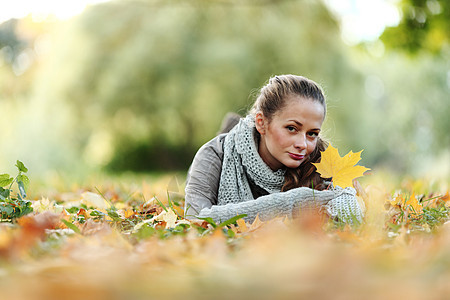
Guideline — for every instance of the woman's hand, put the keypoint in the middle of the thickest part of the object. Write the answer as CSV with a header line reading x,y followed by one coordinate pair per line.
x,y
307,198
345,207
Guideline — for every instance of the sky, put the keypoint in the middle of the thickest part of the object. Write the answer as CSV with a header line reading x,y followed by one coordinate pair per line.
x,y
62,9
364,20
361,20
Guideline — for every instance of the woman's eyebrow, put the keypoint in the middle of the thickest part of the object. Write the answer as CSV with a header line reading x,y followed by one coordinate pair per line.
x,y
300,124
297,122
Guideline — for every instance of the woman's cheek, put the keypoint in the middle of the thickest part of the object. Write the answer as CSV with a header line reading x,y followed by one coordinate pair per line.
x,y
311,146
283,139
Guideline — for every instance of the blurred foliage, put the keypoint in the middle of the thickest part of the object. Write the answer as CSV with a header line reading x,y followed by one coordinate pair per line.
x,y
141,85
10,43
405,113
425,25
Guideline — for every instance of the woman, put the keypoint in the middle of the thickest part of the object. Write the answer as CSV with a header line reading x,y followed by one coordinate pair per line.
x,y
263,165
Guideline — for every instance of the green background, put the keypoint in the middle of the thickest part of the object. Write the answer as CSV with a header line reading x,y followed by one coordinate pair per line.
x,y
140,85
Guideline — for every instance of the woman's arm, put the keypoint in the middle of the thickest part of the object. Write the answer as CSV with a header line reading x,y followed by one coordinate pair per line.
x,y
202,187
338,203
273,205
203,178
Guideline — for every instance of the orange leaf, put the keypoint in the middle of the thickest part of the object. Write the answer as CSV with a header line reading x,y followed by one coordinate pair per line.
x,y
242,226
443,199
126,213
342,170
414,204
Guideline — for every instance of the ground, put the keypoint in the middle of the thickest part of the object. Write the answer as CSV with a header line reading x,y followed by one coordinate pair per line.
x,y
125,237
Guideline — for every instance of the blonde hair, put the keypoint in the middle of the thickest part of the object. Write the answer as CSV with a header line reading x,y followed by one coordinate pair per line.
x,y
272,97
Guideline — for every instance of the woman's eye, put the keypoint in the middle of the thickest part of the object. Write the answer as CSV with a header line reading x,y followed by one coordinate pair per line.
x,y
291,128
313,134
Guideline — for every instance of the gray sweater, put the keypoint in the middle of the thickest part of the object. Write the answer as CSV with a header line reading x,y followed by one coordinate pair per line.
x,y
202,187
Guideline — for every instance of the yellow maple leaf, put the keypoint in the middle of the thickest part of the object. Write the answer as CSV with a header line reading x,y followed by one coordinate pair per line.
x,y
342,170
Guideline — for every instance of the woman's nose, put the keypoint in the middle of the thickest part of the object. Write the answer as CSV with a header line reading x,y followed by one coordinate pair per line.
x,y
300,142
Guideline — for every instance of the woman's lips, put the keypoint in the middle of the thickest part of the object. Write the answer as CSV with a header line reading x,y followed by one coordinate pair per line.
x,y
296,156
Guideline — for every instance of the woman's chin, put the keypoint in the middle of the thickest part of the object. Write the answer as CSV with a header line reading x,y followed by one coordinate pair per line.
x,y
293,164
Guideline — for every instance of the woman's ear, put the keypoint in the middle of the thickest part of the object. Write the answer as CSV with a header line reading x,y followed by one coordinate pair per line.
x,y
260,123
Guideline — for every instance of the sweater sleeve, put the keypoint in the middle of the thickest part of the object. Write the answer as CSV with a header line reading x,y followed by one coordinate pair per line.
x,y
346,207
202,183
272,205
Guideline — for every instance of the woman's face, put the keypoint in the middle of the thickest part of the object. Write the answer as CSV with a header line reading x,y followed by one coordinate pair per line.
x,y
291,135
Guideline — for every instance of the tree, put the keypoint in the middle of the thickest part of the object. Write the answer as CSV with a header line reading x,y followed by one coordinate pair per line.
x,y
424,26
151,82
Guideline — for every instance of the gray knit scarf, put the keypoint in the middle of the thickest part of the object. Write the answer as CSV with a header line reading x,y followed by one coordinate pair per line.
x,y
242,162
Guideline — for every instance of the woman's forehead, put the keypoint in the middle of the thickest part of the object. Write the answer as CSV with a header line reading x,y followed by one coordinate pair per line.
x,y
296,104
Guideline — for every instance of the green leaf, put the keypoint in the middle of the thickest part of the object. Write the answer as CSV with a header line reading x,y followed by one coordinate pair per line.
x,y
73,210
231,220
71,226
7,209
27,208
230,233
22,207
24,178
97,213
113,215
4,193
5,180
145,231
225,223
21,166
22,192
210,221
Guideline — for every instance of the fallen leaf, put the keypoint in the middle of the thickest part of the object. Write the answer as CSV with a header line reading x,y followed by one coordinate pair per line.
x,y
397,201
105,213
342,170
443,199
257,223
242,226
126,213
32,229
83,212
93,199
169,217
45,204
414,204
91,227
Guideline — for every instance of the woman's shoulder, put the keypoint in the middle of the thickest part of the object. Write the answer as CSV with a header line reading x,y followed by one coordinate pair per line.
x,y
214,147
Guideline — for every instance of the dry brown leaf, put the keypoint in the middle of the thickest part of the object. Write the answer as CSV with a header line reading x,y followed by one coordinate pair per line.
x,y
257,223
